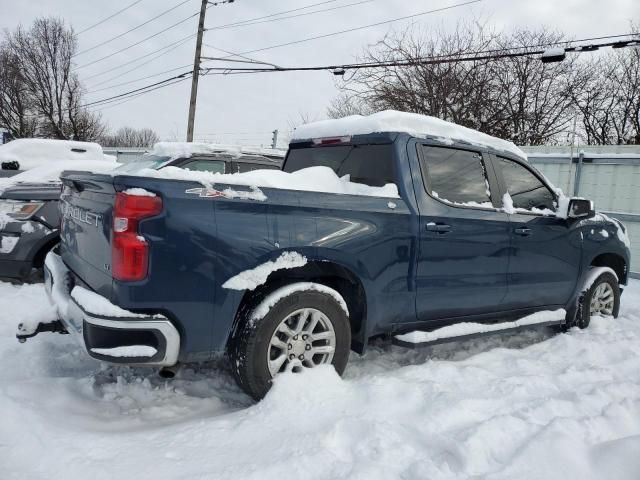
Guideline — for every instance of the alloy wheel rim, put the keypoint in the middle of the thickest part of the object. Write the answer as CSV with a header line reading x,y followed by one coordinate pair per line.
x,y
602,300
304,339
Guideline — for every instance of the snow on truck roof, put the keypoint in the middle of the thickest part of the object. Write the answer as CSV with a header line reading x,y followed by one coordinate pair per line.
x,y
33,152
412,123
186,150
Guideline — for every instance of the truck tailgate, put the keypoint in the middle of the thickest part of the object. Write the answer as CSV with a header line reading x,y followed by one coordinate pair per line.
x,y
86,206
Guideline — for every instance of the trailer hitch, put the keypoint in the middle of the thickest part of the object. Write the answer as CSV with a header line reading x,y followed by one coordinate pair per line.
x,y
24,332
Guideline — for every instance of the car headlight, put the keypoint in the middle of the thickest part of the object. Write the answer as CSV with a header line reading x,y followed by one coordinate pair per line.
x,y
20,210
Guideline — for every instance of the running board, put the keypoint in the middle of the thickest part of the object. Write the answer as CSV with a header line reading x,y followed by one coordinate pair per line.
x,y
467,331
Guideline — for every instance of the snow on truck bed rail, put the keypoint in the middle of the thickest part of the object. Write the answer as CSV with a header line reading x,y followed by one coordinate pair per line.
x,y
411,123
312,179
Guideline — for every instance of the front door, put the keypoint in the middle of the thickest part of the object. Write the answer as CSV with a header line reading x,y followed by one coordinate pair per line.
x,y
464,237
545,250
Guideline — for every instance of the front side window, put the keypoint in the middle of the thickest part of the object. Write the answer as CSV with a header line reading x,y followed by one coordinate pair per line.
x,y
213,166
368,164
525,188
456,176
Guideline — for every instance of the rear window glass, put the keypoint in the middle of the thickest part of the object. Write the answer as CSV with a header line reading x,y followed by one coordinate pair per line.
x,y
241,167
367,164
147,161
213,166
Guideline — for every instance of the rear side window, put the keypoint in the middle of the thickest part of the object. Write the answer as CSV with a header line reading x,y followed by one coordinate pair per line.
x,y
213,166
456,176
525,188
368,164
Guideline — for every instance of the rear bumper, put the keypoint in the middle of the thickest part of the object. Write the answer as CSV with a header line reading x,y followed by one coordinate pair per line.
x,y
128,338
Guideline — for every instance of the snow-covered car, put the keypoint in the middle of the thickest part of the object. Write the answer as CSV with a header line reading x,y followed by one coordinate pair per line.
x,y
27,153
395,225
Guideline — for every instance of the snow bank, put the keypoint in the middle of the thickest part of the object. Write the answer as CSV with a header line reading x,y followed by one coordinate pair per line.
x,y
33,152
50,173
411,123
128,351
312,179
251,279
187,149
526,406
468,328
274,297
95,304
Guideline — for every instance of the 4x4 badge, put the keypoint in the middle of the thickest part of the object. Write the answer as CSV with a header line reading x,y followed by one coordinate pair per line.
x,y
206,192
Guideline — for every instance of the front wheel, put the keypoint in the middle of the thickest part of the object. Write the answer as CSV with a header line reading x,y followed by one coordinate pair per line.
x,y
300,330
601,298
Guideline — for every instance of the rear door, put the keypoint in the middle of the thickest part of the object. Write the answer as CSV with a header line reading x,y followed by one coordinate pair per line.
x,y
545,252
464,238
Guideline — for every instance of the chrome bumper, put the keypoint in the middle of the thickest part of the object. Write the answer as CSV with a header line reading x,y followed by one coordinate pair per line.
x,y
104,332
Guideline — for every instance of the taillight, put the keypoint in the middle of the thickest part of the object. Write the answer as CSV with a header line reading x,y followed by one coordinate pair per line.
x,y
129,250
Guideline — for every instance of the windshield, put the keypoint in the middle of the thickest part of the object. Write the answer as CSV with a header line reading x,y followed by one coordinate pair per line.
x,y
153,162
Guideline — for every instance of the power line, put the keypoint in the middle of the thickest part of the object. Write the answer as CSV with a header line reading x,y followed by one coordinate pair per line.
x,y
109,17
172,44
146,89
326,35
182,67
249,23
508,53
130,30
272,15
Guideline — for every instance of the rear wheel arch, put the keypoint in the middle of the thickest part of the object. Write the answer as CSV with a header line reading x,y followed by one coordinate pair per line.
x,y
331,274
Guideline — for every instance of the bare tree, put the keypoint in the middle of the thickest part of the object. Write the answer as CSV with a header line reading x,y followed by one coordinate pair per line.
x,y
455,91
16,107
518,98
609,101
54,93
130,137
532,100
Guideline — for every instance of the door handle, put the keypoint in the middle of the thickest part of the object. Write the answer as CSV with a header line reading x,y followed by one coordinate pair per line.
x,y
524,231
440,228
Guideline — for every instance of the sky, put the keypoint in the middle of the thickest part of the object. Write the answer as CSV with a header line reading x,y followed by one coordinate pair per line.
x,y
245,109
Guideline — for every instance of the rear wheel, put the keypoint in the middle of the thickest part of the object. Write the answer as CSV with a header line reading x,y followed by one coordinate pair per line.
x,y
602,298
301,330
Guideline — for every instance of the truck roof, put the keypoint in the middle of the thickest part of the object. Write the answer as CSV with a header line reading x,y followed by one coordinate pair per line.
x,y
187,149
413,124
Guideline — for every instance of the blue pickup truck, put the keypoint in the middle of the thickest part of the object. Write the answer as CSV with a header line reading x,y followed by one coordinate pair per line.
x,y
161,271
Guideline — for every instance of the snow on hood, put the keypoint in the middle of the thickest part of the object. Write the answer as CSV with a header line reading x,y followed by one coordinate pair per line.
x,y
187,149
312,179
411,123
50,173
33,152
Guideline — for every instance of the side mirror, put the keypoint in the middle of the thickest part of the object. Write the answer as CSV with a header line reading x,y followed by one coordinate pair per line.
x,y
580,208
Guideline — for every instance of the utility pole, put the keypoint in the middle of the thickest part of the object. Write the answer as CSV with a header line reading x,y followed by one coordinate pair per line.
x,y
196,73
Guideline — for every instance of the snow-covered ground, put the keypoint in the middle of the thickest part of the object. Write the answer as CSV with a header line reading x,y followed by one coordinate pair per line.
x,y
525,406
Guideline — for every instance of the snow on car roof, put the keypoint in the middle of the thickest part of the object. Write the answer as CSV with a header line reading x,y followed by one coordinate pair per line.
x,y
412,123
50,173
33,152
187,149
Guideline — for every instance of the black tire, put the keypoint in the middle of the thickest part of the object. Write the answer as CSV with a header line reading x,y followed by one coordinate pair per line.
x,y
249,346
583,314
